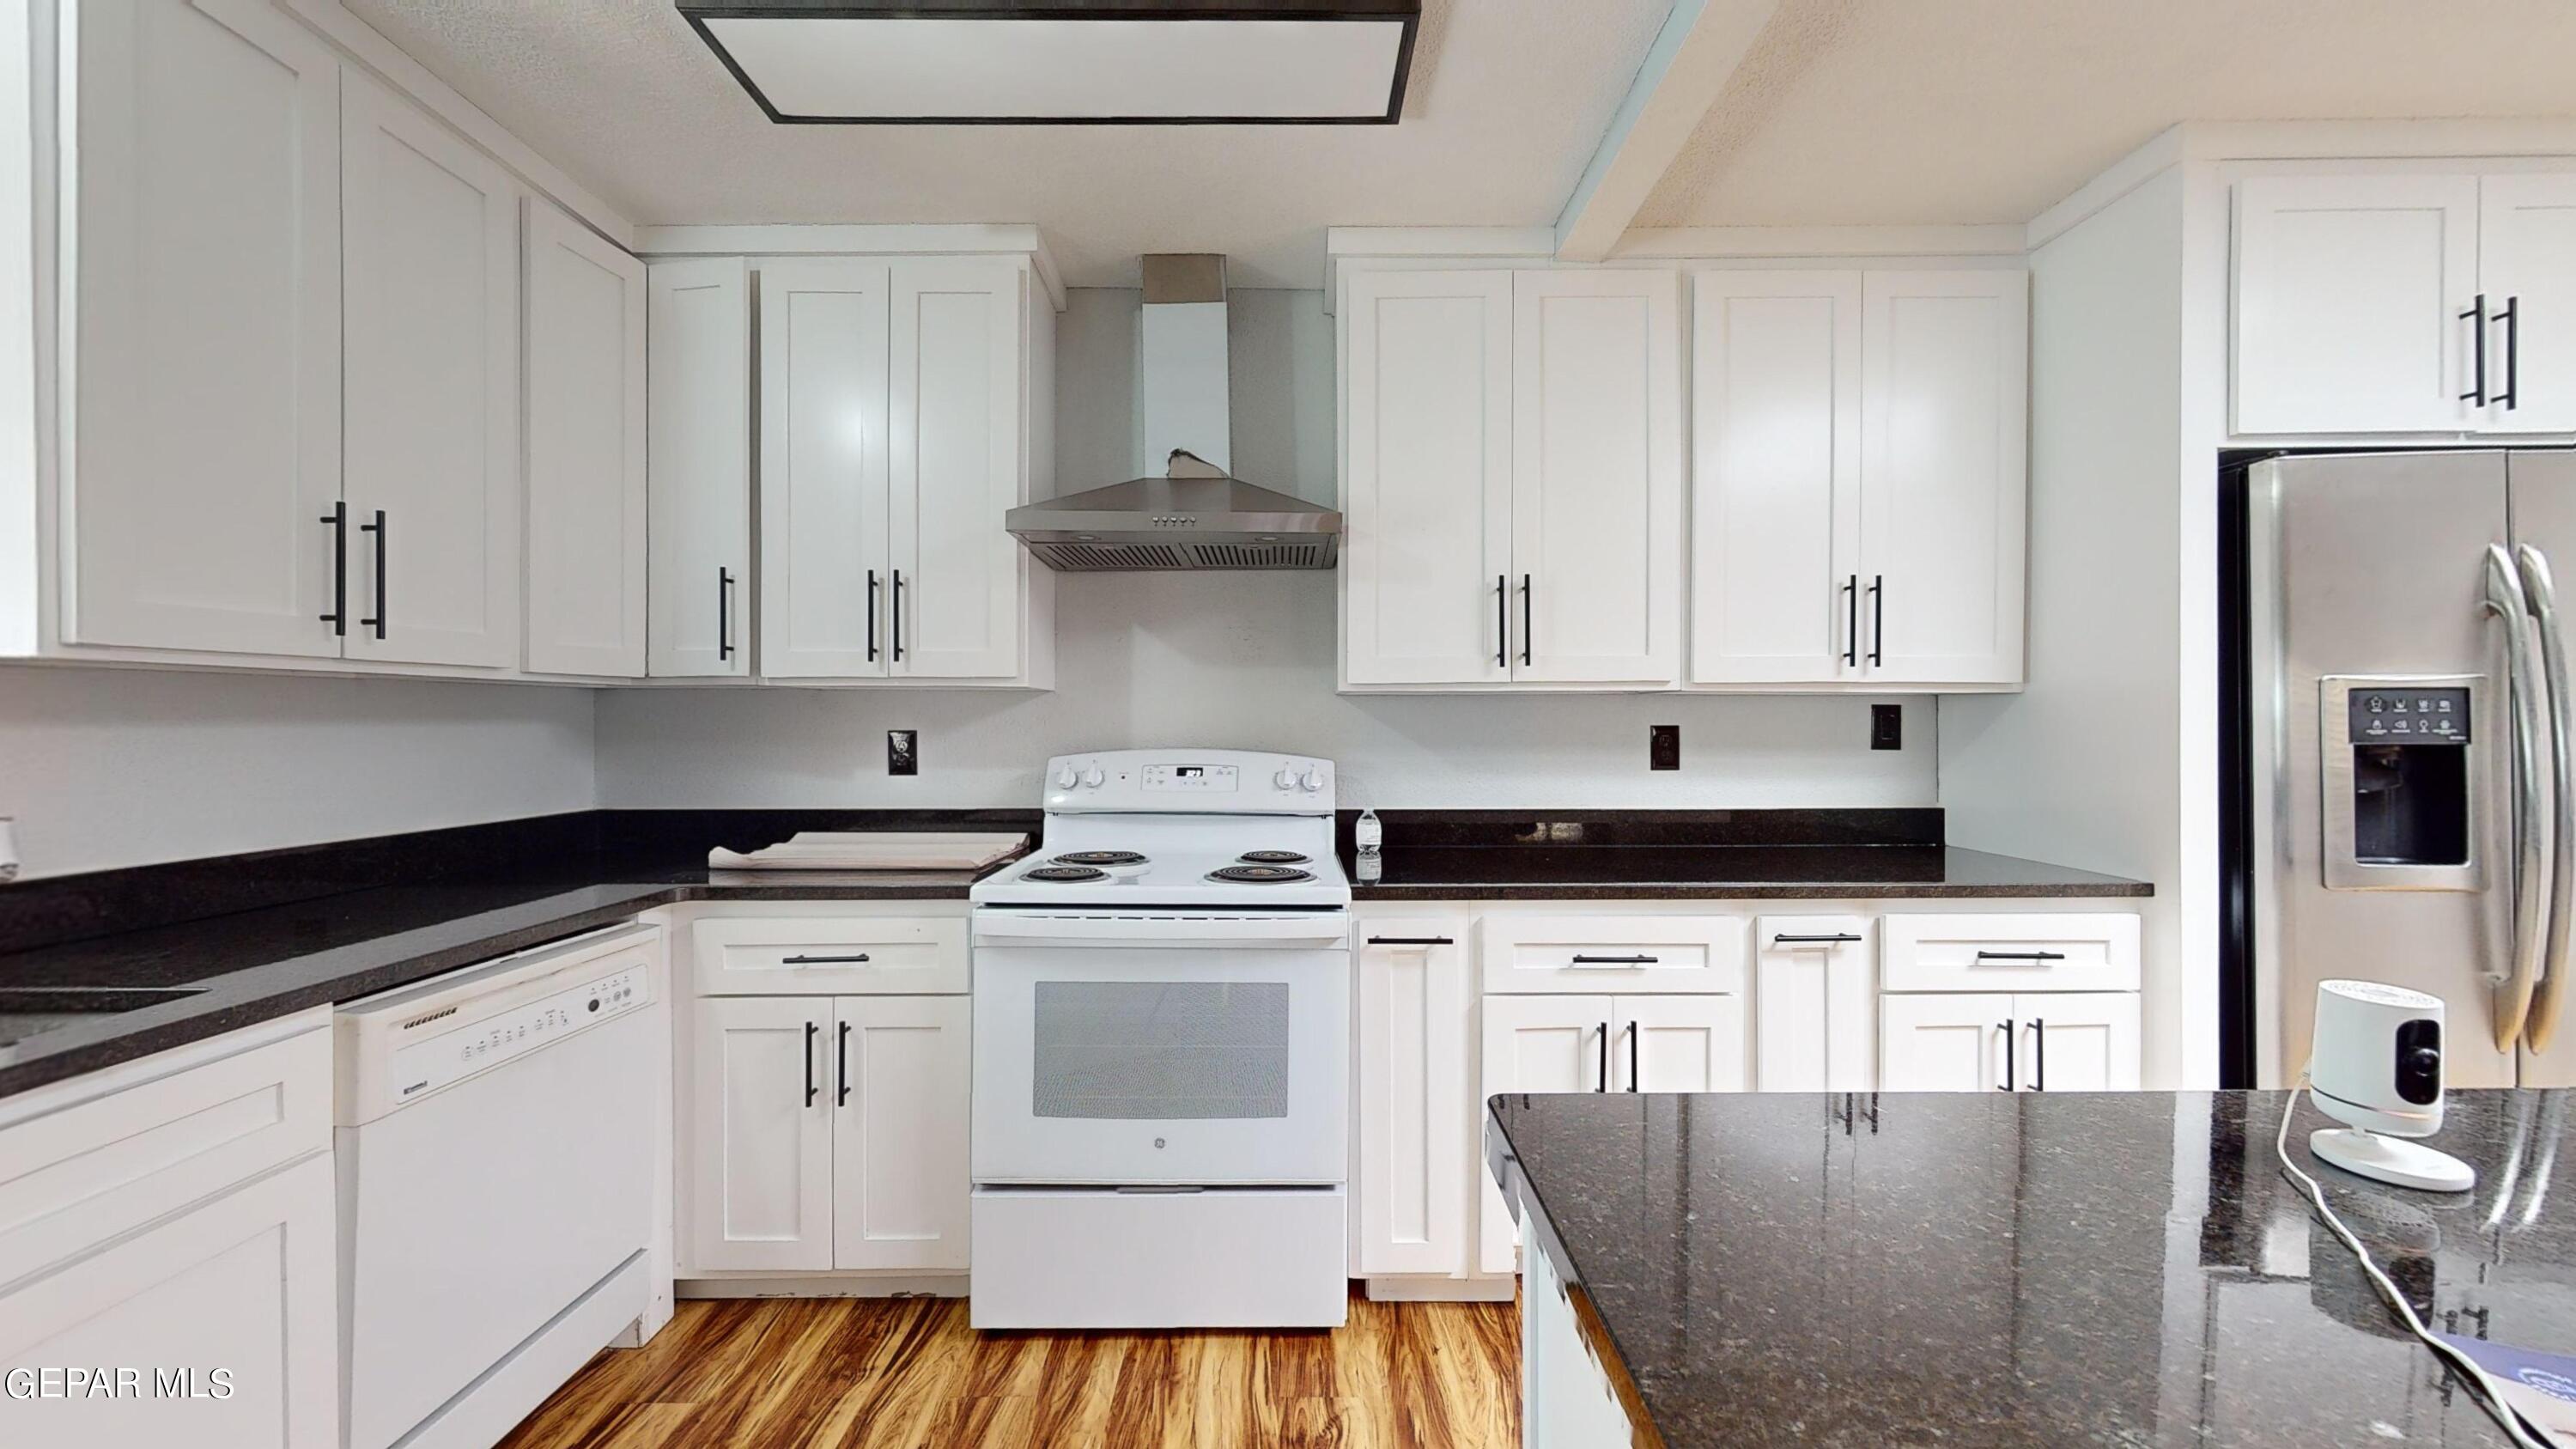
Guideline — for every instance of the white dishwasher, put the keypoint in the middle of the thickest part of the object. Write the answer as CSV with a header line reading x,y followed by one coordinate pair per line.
x,y
495,1146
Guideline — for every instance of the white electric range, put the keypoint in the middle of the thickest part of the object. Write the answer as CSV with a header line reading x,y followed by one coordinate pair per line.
x,y
1162,1051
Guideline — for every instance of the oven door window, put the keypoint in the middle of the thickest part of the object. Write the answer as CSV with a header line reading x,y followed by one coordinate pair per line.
x,y
1161,1050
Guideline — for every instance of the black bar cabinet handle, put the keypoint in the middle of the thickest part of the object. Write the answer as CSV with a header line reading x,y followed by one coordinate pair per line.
x,y
724,612
1877,620
1616,960
2512,318
1526,643
894,636
2021,955
1502,621
843,1068
2476,317
811,1031
338,521
2039,1054
378,529
1851,621
1605,1058
1836,939
861,959
872,616
2007,1028
1411,941
1632,1055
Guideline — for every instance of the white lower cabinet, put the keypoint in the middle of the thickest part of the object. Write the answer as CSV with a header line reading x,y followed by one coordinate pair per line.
x,y
1420,1122
2068,1041
828,1133
1815,1002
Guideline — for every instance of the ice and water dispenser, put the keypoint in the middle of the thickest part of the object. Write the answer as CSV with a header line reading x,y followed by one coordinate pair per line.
x,y
2400,783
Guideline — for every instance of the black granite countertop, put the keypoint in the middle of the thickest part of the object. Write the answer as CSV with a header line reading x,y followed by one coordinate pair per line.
x,y
1721,872
2031,1271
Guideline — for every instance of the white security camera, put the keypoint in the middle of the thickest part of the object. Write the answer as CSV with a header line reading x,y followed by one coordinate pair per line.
x,y
2378,1066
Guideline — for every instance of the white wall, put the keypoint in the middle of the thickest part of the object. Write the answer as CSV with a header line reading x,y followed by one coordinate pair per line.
x,y
112,767
2080,767
1240,660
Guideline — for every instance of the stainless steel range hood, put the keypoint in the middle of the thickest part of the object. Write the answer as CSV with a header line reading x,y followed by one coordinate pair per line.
x,y
1195,514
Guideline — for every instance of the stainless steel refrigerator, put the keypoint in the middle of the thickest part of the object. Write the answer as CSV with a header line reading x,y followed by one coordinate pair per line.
x,y
2396,749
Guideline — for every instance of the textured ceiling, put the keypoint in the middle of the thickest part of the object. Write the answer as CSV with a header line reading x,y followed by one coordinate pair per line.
x,y
1507,101
1899,111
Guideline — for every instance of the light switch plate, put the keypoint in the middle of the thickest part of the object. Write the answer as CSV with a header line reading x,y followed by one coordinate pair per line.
x,y
903,752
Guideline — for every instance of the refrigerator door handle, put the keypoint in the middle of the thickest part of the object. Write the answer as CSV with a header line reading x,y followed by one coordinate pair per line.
x,y
2540,594
2512,995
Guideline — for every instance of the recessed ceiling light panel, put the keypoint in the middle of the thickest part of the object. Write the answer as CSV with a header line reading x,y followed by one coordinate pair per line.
x,y
1066,62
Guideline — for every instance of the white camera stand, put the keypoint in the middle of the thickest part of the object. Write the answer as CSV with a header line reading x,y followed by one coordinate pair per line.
x,y
2392,1159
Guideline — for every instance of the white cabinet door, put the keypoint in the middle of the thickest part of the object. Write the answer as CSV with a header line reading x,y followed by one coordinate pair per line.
x,y
2527,269
1596,477
1533,1044
1943,1043
1426,477
1677,1044
823,583
584,314
954,436
1944,438
901,1072
1419,1130
2349,295
1775,480
227,1315
700,467
1815,1005
204,457
2077,1041
429,237
760,1175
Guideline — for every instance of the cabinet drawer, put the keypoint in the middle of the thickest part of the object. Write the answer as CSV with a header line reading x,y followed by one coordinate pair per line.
x,y
79,1176
829,955
1614,953
2009,953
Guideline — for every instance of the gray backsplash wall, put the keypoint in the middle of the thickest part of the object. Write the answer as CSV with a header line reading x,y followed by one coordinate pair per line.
x,y
1236,660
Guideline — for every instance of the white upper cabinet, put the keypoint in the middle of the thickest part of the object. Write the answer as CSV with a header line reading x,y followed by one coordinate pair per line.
x,y
430,277
1775,478
1427,478
1597,476
1944,437
2527,268
956,436
699,465
2349,291
204,444
584,315
824,588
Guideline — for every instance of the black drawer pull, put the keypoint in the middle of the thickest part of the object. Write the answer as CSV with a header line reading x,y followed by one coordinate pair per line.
x,y
1836,939
811,1031
2021,955
1411,941
860,959
1616,960
844,1069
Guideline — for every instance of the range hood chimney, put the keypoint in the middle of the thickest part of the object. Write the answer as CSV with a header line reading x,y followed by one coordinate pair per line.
x,y
1190,512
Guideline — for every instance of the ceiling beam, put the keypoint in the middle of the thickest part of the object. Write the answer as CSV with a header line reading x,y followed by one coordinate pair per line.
x,y
1694,55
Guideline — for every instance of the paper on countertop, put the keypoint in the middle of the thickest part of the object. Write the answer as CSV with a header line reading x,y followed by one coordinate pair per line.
x,y
873,850
2541,1387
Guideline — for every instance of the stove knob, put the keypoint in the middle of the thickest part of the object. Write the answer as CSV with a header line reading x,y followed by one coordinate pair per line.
x,y
1311,781
1094,778
1286,779
1067,777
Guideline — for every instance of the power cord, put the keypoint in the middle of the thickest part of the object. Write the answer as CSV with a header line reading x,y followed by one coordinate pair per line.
x,y
2489,1393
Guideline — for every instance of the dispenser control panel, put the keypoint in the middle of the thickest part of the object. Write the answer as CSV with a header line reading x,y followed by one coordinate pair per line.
x,y
2400,715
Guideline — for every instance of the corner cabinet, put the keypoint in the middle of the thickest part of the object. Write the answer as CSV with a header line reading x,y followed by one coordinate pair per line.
x,y
583,302
699,467
1512,475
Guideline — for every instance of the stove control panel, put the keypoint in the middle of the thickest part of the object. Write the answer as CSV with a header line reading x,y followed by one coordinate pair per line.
x,y
1232,782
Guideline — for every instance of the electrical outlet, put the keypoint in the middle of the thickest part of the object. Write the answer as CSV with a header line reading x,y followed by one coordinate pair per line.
x,y
903,752
1887,727
1663,747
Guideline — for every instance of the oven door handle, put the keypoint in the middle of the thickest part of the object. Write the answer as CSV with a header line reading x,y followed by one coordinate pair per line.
x,y
1153,928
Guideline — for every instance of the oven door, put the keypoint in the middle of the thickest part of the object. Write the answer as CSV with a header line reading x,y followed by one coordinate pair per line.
x,y
1161,1048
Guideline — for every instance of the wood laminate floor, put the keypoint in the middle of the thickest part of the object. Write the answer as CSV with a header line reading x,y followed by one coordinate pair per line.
x,y
907,1373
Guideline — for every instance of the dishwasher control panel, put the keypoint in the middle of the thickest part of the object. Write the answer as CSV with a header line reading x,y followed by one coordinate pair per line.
x,y
441,1057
